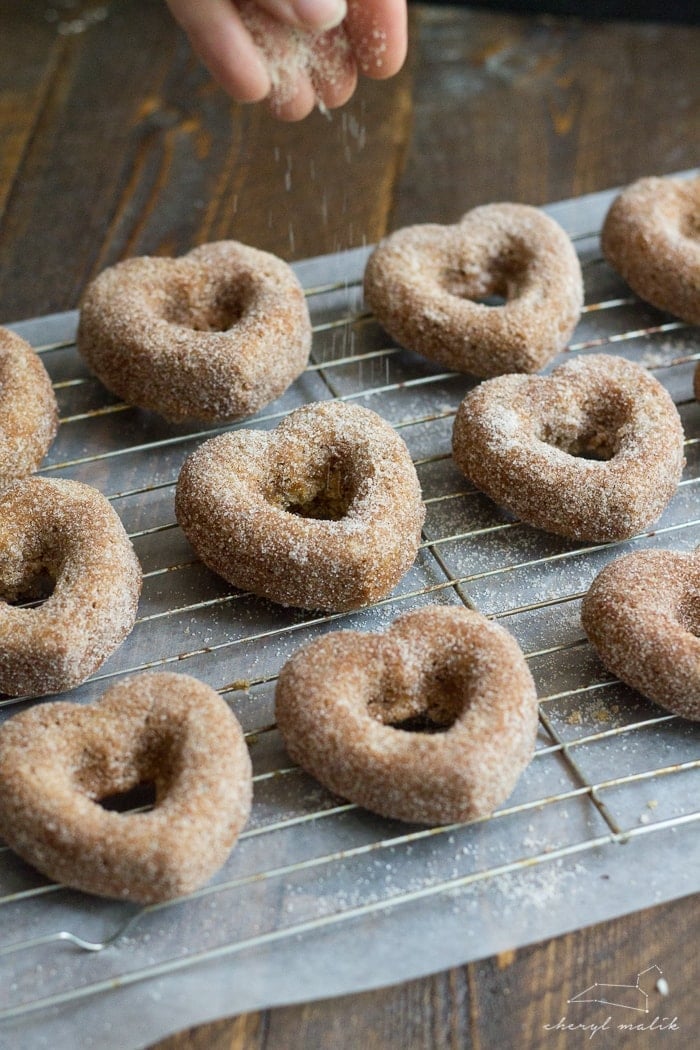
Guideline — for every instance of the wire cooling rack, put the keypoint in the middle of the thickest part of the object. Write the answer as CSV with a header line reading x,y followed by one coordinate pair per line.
x,y
320,897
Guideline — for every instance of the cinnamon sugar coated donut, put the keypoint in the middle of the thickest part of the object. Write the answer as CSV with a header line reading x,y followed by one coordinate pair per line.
x,y
424,284
324,512
651,236
593,451
431,722
27,409
65,535
213,335
642,615
59,761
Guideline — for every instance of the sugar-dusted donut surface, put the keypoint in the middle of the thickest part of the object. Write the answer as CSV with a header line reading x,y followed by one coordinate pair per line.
x,y
425,283
593,451
642,615
65,538
324,512
213,335
651,236
431,722
28,411
59,761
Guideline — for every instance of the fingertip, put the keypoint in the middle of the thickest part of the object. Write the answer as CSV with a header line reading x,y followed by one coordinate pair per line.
x,y
335,95
249,85
320,15
381,68
378,30
315,16
334,70
297,106
380,59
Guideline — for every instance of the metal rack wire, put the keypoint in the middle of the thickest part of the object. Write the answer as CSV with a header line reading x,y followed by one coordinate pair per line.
x,y
610,769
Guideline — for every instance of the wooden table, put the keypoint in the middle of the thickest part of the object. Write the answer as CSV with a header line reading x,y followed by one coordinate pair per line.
x,y
115,142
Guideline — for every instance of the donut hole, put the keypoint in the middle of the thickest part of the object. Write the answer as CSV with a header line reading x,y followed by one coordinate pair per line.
x,y
326,496
140,796
216,311
421,723
34,587
437,702
595,445
688,612
487,290
123,775
594,434
492,282
690,225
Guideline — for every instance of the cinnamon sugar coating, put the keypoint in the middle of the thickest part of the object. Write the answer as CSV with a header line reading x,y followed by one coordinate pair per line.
x,y
651,236
324,512
424,284
27,409
593,451
59,760
350,707
212,336
65,537
642,615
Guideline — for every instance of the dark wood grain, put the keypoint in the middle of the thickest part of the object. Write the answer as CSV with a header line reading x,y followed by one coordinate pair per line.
x,y
31,55
115,142
132,150
540,109
502,1002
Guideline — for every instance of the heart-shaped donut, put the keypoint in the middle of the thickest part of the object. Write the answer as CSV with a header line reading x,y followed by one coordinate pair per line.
x,y
425,285
593,451
60,761
212,336
431,722
651,236
63,537
642,616
324,512
27,409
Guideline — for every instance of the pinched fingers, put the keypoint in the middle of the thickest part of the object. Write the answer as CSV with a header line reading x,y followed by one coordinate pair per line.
x,y
304,68
294,52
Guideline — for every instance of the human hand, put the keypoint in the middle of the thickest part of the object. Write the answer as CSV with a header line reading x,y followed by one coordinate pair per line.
x,y
295,53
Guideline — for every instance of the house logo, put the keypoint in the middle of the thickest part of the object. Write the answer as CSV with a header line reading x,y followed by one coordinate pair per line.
x,y
626,996
627,1007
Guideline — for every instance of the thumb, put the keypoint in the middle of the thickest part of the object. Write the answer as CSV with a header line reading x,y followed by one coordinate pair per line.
x,y
316,15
